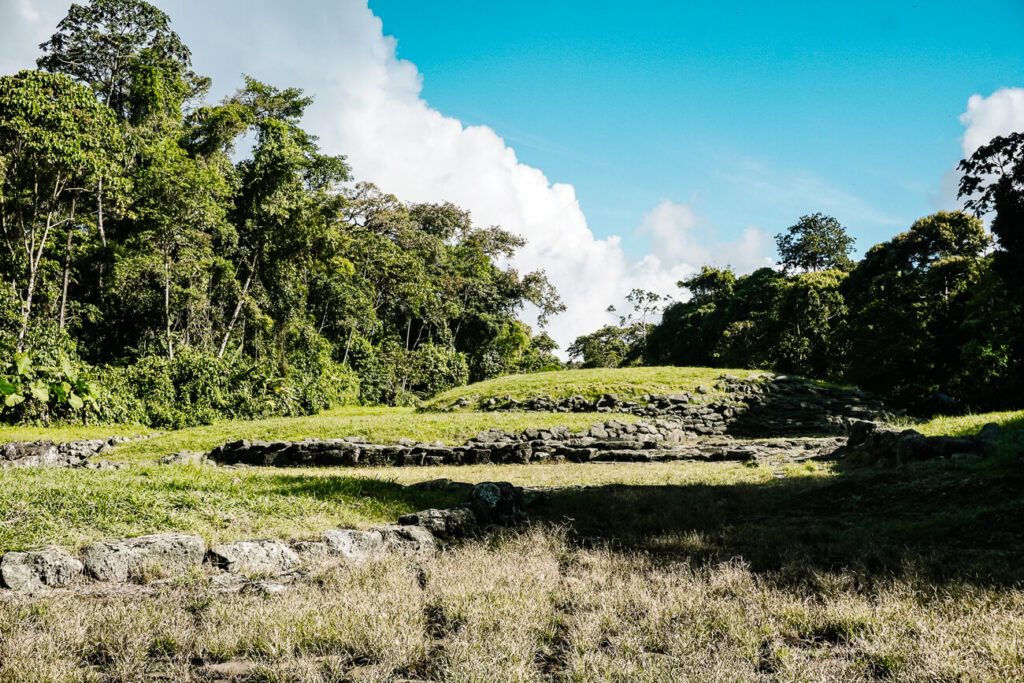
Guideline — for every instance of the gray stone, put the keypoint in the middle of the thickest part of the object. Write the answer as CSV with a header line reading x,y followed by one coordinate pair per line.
x,y
254,557
354,544
407,539
452,523
28,572
143,558
312,551
498,503
184,458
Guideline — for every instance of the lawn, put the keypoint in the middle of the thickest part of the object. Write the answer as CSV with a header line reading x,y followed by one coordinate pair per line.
x,y
661,571
627,383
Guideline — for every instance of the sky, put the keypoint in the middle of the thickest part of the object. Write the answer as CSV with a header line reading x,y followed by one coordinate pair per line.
x,y
630,143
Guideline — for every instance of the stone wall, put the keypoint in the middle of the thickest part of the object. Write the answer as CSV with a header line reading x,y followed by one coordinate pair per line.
x,y
762,406
611,441
50,454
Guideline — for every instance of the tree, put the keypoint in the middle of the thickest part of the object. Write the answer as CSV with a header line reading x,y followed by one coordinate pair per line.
x,y
910,300
609,347
102,44
57,143
816,242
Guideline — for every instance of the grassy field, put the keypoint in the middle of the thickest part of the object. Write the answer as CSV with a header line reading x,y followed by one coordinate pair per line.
x,y
965,425
665,571
627,383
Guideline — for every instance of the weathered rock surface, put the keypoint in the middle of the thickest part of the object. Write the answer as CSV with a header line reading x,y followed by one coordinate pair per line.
x,y
254,557
69,454
498,503
354,544
184,458
407,539
612,441
37,570
449,523
146,557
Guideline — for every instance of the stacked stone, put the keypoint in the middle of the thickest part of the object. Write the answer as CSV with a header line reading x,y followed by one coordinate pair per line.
x,y
161,557
50,454
611,441
769,405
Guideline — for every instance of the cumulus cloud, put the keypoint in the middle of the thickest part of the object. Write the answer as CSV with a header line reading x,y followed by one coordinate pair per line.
x,y
369,106
1000,113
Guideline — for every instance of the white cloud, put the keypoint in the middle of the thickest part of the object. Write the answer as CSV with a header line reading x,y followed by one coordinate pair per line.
x,y
1000,113
368,106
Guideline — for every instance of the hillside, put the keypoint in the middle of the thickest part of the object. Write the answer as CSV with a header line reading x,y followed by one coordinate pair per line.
x,y
592,383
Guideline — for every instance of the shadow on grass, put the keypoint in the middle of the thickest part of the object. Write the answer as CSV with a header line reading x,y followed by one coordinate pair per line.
x,y
949,523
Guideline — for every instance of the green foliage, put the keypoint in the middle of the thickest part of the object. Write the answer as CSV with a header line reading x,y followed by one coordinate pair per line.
x,y
135,229
816,242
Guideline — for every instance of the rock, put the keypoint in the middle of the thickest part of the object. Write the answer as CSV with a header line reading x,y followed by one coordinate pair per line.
x,y
144,558
407,539
453,523
354,544
990,438
254,557
498,503
37,570
184,458
267,588
312,551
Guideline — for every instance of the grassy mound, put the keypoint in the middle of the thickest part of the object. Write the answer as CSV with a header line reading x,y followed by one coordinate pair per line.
x,y
627,383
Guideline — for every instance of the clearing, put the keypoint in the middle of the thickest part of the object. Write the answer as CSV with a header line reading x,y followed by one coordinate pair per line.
x,y
628,571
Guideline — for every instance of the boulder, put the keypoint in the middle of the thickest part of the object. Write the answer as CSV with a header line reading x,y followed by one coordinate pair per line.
x,y
498,503
139,559
452,523
29,572
407,539
354,544
254,557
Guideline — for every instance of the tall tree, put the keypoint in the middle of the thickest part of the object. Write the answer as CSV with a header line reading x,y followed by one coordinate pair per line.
x,y
57,143
816,242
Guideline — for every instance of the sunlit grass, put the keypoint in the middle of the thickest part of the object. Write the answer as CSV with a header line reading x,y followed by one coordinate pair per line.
x,y
627,383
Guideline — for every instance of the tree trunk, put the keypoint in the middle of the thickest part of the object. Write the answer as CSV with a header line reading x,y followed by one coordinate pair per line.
x,y
238,309
67,267
348,344
167,304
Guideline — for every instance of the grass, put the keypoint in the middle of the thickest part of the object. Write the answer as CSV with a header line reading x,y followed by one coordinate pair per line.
x,y
529,607
966,425
378,424
627,383
661,571
62,433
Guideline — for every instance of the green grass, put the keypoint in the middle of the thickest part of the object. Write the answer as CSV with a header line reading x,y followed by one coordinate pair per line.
x,y
627,383
62,433
966,425
377,424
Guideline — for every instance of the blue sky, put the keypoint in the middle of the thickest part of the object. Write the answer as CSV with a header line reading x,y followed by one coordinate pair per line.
x,y
629,143
851,108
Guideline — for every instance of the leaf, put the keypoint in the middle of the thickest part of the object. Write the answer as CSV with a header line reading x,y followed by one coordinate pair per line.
x,y
60,391
40,391
23,364
69,370
75,401
13,400
6,388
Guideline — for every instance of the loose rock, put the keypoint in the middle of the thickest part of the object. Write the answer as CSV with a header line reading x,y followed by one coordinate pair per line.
x,y
254,557
29,572
144,558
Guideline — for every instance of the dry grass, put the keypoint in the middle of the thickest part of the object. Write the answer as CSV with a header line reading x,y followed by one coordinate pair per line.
x,y
530,607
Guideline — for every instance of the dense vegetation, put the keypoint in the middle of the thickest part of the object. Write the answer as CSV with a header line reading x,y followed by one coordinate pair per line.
x,y
933,319
158,270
